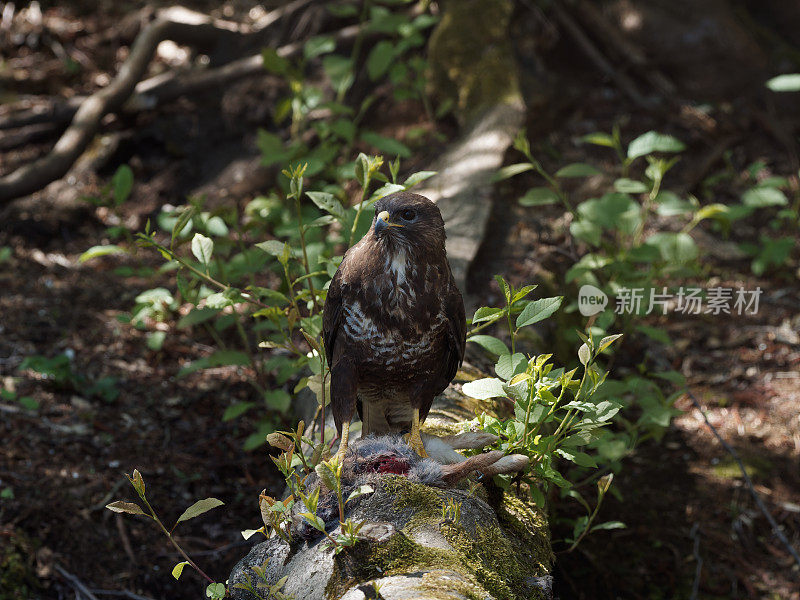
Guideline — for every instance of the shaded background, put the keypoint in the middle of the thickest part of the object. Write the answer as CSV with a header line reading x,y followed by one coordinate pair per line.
x,y
695,70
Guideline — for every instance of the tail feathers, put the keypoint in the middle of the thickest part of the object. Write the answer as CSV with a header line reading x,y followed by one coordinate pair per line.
x,y
382,418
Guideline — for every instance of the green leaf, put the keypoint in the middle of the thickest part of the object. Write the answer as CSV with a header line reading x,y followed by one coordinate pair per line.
x,y
198,508
248,533
182,223
612,449
483,389
138,482
202,248
216,226
155,340
328,203
538,310
344,128
579,458
96,251
197,316
259,438
28,403
274,63
417,177
673,377
130,508
789,82
586,231
277,400
362,490
339,70
490,343
522,292
219,358
669,204
272,148
630,186
773,253
607,341
509,365
577,170
385,144
674,247
122,184
711,211
237,410
655,333
218,300
609,525
511,170
584,354
485,313
653,141
177,570
538,196
759,197
361,168
504,287
215,591
613,211
599,139
385,190
319,45
273,247
380,59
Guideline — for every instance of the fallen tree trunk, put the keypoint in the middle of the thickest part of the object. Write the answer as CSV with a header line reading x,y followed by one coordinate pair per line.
x,y
411,546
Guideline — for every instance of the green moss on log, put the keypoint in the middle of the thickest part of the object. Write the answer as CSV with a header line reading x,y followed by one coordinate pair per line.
x,y
497,557
471,58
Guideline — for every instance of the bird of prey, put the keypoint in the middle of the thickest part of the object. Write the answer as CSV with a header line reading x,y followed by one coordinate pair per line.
x,y
393,322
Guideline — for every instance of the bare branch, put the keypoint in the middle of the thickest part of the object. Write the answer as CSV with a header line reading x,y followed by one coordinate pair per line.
x,y
128,92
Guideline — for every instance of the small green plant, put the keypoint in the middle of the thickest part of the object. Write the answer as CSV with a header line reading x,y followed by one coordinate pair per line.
x,y
58,370
558,414
26,402
451,511
111,198
296,467
261,588
214,590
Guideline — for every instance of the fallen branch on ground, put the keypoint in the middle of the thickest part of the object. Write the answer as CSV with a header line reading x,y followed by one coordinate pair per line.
x,y
129,91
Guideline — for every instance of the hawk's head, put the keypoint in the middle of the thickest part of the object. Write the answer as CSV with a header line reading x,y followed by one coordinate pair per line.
x,y
409,220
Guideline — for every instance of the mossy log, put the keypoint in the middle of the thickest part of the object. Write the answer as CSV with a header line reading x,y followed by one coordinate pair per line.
x,y
496,546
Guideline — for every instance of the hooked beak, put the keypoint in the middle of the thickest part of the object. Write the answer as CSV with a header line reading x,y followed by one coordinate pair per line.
x,y
382,222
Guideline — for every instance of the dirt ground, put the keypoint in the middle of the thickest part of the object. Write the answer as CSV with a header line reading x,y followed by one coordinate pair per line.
x,y
690,519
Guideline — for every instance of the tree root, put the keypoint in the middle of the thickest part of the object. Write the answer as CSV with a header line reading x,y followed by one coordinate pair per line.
x,y
128,92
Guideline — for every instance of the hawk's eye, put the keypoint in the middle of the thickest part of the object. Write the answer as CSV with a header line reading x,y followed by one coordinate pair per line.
x,y
408,214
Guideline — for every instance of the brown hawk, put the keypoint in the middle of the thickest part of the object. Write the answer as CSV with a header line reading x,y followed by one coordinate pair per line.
x,y
393,323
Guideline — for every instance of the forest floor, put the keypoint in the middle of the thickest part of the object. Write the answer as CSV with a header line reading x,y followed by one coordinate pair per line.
x,y
690,517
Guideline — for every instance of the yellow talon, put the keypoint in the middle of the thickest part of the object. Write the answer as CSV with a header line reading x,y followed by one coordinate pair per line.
x,y
414,439
343,443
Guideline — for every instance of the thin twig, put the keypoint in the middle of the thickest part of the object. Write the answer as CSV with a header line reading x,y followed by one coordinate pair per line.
x,y
695,533
775,527
126,542
121,593
593,53
76,583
